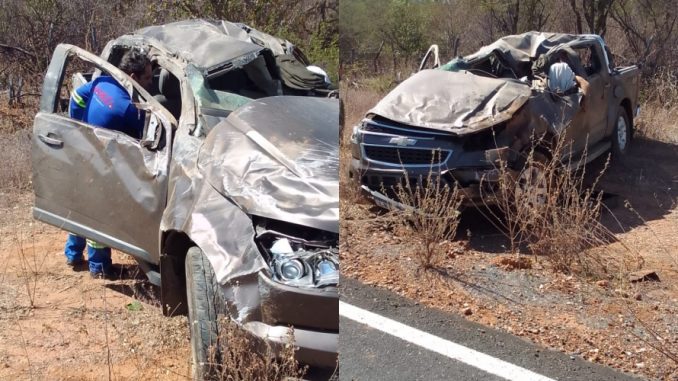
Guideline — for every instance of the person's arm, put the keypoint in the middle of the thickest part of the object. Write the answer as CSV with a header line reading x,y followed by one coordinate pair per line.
x,y
78,101
583,84
134,120
584,87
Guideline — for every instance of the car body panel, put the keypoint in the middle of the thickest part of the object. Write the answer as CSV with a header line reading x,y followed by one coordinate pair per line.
x,y
459,102
241,173
96,181
203,44
296,177
117,184
209,176
458,120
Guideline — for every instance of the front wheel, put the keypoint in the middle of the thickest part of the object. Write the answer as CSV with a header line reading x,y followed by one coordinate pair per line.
x,y
532,188
621,136
202,297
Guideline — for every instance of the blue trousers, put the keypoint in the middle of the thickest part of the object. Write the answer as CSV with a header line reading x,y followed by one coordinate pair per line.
x,y
98,256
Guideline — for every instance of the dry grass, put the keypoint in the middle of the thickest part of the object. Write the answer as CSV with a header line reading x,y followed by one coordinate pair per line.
x,y
31,263
15,139
555,212
15,156
17,117
659,109
243,357
430,216
355,103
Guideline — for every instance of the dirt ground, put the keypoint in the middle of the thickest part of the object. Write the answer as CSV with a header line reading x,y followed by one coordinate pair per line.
x,y
606,320
60,324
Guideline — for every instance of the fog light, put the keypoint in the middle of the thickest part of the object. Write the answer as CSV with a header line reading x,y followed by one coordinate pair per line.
x,y
292,269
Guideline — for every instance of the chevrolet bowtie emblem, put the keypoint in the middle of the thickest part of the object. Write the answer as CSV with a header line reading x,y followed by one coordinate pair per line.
x,y
403,141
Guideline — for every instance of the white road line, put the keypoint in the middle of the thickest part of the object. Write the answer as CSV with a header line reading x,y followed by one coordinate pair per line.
x,y
436,344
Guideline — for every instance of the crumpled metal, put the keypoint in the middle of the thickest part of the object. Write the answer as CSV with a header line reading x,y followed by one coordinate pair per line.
x,y
459,102
455,100
523,48
201,42
278,158
275,157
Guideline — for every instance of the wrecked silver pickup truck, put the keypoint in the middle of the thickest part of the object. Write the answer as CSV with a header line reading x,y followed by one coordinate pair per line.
x,y
229,201
459,119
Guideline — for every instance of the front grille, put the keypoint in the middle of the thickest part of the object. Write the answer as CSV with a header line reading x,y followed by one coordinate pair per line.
x,y
405,156
389,127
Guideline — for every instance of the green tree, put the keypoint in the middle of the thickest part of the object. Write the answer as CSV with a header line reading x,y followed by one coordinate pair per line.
x,y
404,30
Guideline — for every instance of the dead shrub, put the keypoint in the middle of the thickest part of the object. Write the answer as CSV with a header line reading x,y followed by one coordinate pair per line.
x,y
429,211
243,357
16,117
15,156
31,261
355,103
552,210
659,110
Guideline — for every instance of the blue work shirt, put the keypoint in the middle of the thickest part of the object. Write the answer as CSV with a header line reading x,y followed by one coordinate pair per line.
x,y
103,102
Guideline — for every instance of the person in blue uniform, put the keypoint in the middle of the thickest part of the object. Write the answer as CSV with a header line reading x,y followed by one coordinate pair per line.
x,y
105,103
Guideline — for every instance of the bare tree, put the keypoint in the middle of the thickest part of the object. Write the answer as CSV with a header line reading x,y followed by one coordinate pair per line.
x,y
649,27
517,16
505,15
594,12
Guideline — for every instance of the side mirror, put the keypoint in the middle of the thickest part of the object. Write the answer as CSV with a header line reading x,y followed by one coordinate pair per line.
x,y
431,53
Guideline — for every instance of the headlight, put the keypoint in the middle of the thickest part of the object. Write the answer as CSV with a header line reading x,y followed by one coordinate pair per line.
x,y
326,272
300,262
355,144
354,135
291,269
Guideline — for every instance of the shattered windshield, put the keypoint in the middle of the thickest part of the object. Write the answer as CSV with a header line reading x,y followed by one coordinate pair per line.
x,y
232,84
211,98
455,65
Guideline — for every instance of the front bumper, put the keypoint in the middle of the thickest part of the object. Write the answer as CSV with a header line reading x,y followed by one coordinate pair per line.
x,y
311,316
479,186
313,347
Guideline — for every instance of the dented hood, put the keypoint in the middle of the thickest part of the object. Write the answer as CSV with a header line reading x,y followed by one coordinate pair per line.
x,y
459,102
278,158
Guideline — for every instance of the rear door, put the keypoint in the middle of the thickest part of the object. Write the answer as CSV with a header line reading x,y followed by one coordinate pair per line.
x,y
96,182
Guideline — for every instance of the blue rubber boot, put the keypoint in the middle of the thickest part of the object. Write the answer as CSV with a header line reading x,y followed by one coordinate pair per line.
x,y
73,250
99,257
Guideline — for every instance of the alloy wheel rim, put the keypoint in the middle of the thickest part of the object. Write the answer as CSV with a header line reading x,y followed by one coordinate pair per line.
x,y
532,186
621,133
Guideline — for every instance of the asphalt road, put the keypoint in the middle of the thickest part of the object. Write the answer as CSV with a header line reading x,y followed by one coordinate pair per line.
x,y
367,353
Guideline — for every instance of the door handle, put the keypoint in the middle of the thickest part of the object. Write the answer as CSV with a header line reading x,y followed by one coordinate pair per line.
x,y
48,139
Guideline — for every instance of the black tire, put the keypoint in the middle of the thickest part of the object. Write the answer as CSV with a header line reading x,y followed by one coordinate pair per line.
x,y
622,133
202,299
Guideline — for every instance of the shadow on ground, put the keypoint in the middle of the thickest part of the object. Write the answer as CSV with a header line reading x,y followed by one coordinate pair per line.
x,y
642,187
133,283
